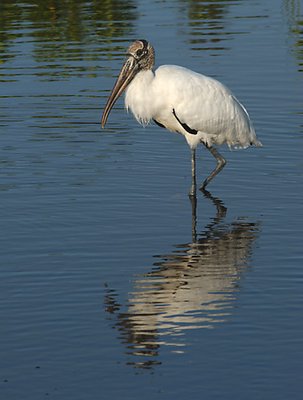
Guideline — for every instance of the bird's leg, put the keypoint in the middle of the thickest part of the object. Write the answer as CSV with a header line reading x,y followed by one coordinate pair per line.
x,y
193,201
193,173
220,165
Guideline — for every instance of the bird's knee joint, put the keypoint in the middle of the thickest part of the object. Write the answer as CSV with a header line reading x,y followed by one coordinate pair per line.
x,y
222,162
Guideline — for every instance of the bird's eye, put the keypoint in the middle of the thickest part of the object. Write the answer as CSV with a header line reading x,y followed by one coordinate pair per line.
x,y
139,52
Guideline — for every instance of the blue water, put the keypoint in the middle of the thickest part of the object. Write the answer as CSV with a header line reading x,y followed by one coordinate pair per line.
x,y
112,283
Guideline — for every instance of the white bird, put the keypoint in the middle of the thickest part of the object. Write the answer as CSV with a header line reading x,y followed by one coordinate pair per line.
x,y
199,107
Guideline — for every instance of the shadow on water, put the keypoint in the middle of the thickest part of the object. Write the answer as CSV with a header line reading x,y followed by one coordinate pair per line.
x,y
193,287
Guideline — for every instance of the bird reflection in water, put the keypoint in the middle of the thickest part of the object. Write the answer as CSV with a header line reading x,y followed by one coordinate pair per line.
x,y
194,287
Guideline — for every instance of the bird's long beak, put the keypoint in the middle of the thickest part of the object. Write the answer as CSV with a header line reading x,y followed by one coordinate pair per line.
x,y
127,73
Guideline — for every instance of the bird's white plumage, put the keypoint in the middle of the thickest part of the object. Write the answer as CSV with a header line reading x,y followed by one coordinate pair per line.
x,y
200,108
202,103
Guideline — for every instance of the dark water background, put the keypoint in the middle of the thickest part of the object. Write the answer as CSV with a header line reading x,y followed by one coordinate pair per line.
x,y
111,285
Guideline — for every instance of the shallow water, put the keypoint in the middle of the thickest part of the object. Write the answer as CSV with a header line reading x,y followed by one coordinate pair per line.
x,y
113,284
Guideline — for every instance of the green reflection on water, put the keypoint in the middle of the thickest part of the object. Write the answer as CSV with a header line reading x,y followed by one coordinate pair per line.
x,y
206,22
58,29
293,11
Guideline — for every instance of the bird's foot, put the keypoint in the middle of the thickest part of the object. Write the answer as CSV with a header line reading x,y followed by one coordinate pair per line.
x,y
204,184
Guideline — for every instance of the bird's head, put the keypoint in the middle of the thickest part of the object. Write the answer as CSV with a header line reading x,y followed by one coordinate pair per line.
x,y
141,56
143,53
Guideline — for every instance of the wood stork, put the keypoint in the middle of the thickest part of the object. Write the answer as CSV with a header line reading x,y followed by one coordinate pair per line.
x,y
180,100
